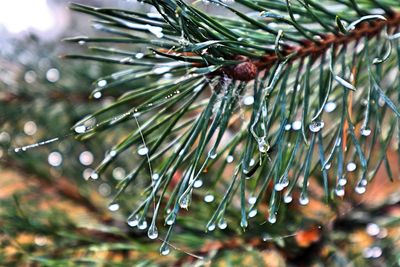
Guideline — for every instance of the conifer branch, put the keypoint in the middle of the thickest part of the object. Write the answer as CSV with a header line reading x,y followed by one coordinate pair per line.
x,y
255,107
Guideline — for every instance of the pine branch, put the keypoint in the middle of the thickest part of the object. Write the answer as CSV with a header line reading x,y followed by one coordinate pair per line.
x,y
250,107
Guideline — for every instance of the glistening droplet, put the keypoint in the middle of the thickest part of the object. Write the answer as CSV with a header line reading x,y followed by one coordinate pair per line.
x,y
360,189
365,131
97,95
164,249
339,192
184,201
272,218
152,233
101,83
209,198
296,125
55,159
303,200
211,227
198,184
316,126
229,159
252,213
351,166
134,221
330,106
263,146
170,220
143,151
287,199
252,200
113,207
80,129
142,224
222,224
372,229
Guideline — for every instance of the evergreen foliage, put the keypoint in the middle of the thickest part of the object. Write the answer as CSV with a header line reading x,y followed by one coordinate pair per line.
x,y
234,117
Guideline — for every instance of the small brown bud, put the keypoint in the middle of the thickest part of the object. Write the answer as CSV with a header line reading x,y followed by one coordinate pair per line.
x,y
245,71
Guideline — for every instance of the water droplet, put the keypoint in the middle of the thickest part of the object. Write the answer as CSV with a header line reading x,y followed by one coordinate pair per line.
x,y
303,200
198,184
134,221
229,159
287,199
372,229
184,200
328,166
383,233
376,252
209,198
381,101
252,162
104,189
86,173
252,213
30,76
113,207
342,181
212,154
316,126
243,223
365,131
296,125
142,224
222,224
118,173
339,192
30,128
55,158
330,106
211,227
101,83
248,100
5,137
152,233
53,75
263,146
351,166
86,158
97,95
81,42
360,189
94,175
272,218
139,55
80,129
279,187
372,252
143,151
155,176
164,249
252,200
170,220
288,127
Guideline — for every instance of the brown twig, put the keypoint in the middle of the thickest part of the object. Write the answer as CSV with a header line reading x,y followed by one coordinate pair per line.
x,y
245,71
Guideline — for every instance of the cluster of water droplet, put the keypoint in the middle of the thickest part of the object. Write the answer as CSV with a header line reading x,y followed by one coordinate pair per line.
x,y
316,126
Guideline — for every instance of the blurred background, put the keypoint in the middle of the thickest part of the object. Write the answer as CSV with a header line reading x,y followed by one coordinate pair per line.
x,y
50,214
